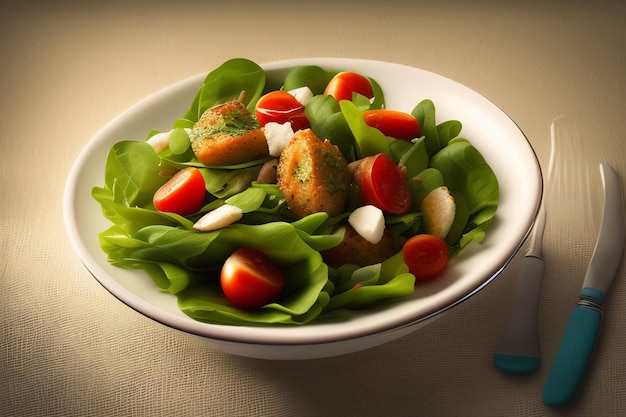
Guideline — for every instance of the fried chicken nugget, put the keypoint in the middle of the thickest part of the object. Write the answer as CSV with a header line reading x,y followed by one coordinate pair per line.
x,y
354,249
313,175
227,134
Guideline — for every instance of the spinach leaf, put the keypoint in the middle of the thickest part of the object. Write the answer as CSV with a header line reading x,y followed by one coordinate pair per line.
x,y
415,159
424,112
132,173
223,183
225,83
464,170
461,218
473,183
312,76
379,97
369,141
366,295
447,131
328,122
132,176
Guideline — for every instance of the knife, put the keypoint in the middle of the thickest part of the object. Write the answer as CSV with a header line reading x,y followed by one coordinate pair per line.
x,y
576,349
518,351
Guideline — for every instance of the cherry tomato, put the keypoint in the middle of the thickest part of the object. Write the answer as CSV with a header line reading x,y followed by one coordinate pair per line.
x,y
250,279
279,106
382,184
183,194
393,123
343,84
426,255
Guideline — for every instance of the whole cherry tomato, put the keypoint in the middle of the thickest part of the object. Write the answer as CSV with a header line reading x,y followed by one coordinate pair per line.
x,y
393,123
280,107
250,279
183,194
343,84
426,256
382,184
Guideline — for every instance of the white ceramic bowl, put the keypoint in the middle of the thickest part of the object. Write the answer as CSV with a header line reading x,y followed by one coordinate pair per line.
x,y
495,135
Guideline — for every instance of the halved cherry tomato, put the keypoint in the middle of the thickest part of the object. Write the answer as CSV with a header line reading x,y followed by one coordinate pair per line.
x,y
279,106
393,123
183,194
343,84
426,256
382,184
250,279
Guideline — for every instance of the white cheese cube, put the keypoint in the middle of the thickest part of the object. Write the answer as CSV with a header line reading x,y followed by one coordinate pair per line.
x,y
369,222
277,136
302,94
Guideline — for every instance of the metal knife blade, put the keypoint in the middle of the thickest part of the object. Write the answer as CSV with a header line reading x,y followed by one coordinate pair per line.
x,y
583,327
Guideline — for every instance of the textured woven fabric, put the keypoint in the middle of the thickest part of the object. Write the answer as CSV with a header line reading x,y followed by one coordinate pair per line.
x,y
69,348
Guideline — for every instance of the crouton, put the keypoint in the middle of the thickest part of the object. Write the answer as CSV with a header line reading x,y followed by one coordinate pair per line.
x,y
354,249
313,175
227,134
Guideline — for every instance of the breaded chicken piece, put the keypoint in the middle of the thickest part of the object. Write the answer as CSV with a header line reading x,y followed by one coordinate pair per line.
x,y
227,134
354,249
313,175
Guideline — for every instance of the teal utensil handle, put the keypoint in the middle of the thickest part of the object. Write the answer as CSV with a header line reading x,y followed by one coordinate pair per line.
x,y
576,350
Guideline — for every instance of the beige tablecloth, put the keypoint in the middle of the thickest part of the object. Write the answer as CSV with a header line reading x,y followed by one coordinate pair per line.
x,y
67,347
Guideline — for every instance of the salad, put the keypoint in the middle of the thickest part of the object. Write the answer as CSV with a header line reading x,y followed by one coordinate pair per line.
x,y
282,204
